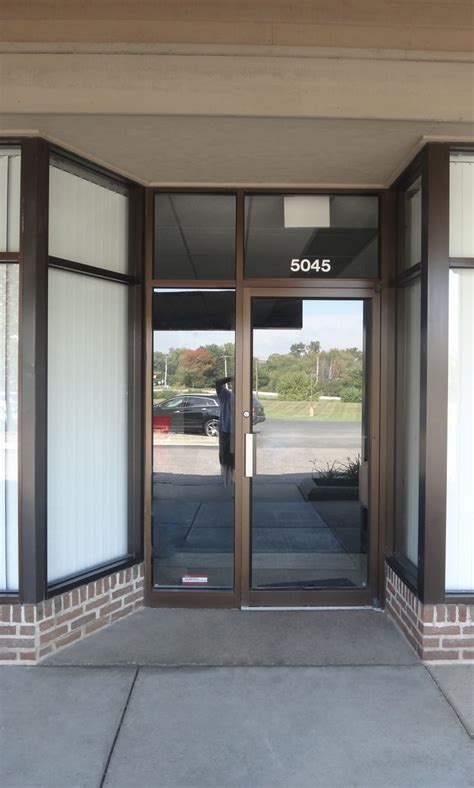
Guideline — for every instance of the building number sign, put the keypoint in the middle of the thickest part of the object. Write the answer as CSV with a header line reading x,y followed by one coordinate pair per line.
x,y
305,265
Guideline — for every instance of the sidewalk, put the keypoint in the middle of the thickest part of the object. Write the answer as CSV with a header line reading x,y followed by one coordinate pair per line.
x,y
334,723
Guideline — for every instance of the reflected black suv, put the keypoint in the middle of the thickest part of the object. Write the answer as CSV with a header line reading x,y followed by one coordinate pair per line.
x,y
194,413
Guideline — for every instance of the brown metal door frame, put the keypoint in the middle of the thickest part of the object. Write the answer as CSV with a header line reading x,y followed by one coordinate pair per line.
x,y
240,595
296,598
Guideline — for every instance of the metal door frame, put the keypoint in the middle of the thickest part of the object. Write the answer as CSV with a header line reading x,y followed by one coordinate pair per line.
x,y
245,288
297,597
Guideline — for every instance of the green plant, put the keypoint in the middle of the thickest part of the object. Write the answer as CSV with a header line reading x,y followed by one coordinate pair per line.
x,y
337,472
351,394
294,387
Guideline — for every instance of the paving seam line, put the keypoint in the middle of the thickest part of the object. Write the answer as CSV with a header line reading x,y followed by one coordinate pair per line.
x,y
448,701
117,732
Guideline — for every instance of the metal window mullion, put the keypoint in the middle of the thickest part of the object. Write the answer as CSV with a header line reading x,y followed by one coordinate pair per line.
x,y
33,370
434,373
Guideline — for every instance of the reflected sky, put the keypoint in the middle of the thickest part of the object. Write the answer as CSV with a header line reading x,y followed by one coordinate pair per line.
x,y
336,324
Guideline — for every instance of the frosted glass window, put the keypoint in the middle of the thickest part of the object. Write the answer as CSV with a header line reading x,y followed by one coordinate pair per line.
x,y
8,427
460,481
88,222
461,205
10,165
408,420
87,423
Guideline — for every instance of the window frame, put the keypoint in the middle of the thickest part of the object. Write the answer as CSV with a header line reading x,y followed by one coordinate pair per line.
x,y
429,579
34,266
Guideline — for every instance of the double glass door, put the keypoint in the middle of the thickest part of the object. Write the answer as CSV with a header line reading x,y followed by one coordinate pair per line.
x,y
263,441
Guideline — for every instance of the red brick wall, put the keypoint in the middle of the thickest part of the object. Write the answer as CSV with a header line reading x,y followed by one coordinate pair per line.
x,y
30,632
439,633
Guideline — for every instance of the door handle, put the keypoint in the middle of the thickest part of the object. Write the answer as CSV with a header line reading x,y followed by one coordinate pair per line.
x,y
250,455
364,484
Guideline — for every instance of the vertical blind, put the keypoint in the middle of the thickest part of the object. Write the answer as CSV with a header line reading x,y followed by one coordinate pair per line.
x,y
88,221
460,482
87,423
408,419
461,205
9,427
9,200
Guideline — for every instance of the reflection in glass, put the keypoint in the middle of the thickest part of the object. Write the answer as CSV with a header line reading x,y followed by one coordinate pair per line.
x,y
194,236
193,438
313,236
309,494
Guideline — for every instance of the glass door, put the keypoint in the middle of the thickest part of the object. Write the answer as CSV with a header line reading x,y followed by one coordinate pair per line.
x,y
307,448
193,441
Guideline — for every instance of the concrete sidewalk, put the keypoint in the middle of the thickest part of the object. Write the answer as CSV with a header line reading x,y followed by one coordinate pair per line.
x,y
217,699
235,638
67,727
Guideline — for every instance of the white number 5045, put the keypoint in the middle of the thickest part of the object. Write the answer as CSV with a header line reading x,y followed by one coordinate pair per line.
x,y
305,266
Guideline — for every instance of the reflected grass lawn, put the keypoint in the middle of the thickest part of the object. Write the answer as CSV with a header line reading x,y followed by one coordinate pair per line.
x,y
323,411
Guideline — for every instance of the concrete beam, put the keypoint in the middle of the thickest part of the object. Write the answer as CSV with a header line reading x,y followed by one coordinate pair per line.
x,y
246,86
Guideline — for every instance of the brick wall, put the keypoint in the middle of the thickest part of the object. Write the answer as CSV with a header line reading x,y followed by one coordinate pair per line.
x,y
30,632
439,633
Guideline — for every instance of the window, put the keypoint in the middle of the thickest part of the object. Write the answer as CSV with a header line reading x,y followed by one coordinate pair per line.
x,y
173,403
461,205
460,499
90,373
194,236
87,423
315,236
408,421
193,446
9,426
9,199
89,218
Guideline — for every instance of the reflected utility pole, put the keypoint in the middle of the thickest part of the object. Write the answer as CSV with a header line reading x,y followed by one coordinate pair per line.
x,y
256,362
166,371
225,357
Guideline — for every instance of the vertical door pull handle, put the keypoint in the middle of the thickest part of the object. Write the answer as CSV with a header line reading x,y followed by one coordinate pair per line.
x,y
250,455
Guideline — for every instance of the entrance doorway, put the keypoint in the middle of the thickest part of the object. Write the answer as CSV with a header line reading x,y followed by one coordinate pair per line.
x,y
264,446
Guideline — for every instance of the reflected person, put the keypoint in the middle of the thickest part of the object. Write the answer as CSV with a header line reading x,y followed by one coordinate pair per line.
x,y
226,428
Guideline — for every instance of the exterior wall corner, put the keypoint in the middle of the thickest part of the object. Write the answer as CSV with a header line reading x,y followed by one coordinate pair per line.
x,y
438,633
29,633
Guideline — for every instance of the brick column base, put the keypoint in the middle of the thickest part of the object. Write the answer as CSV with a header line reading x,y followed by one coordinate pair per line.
x,y
30,632
438,633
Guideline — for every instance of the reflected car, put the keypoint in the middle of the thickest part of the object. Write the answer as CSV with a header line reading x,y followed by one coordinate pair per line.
x,y
198,413
258,411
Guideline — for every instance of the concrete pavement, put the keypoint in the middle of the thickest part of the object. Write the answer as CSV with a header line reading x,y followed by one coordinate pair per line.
x,y
332,727
236,699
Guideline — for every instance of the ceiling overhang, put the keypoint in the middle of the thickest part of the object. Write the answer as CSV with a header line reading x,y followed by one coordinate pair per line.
x,y
240,119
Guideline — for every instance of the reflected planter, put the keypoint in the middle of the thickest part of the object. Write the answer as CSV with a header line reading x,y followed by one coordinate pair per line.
x,y
321,489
